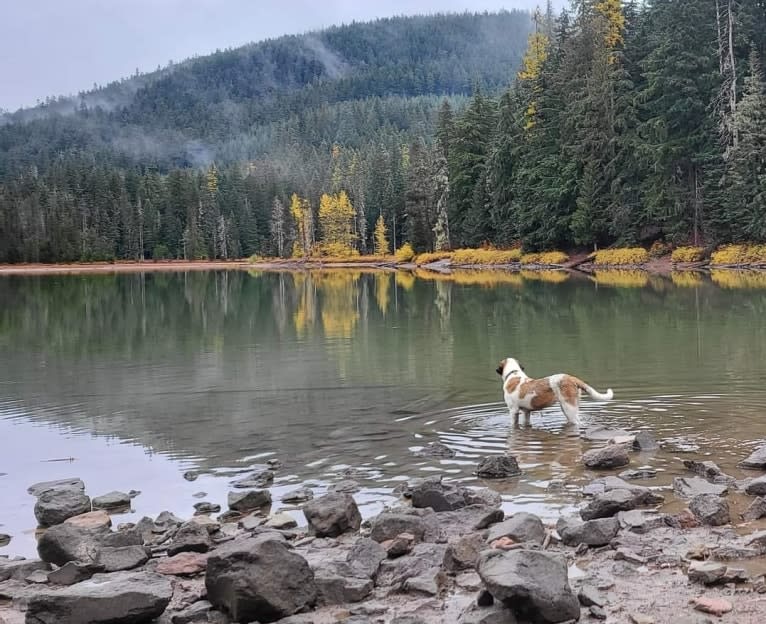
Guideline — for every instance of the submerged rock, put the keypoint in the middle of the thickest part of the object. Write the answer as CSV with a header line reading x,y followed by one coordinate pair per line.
x,y
435,449
261,477
498,467
756,510
639,473
599,433
332,514
301,495
644,441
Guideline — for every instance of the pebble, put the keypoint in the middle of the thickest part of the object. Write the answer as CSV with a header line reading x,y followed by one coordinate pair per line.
x,y
714,606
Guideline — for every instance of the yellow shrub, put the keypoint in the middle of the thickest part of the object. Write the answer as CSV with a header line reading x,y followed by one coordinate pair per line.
x,y
738,279
621,257
622,278
405,253
337,250
739,254
687,279
486,256
433,256
545,257
687,254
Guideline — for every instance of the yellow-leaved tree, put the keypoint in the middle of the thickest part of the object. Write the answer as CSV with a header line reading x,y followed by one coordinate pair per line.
x,y
613,14
532,66
336,221
381,237
300,209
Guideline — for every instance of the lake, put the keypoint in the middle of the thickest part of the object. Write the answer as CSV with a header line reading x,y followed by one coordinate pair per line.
x,y
175,384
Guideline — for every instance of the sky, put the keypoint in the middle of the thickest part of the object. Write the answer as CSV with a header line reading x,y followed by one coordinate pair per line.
x,y
60,47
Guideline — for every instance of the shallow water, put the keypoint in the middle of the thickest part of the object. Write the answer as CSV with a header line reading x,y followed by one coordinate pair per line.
x,y
129,381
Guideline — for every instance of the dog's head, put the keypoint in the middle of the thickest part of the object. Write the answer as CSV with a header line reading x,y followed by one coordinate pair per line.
x,y
508,366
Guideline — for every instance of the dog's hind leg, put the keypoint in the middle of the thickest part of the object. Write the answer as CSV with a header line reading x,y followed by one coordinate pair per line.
x,y
568,395
514,412
572,412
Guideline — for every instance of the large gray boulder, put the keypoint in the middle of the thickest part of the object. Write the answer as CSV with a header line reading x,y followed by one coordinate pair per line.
x,y
520,527
63,543
619,496
37,489
689,487
609,456
756,460
598,532
756,510
339,583
365,557
19,570
249,500
259,579
116,559
122,598
710,509
191,537
532,583
756,487
388,525
56,505
332,514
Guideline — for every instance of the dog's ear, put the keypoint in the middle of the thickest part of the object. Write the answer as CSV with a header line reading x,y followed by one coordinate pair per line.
x,y
499,369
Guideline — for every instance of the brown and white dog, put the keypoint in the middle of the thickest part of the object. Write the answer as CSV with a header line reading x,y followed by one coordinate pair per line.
x,y
527,395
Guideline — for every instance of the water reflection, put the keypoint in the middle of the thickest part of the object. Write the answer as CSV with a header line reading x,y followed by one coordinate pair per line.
x,y
338,370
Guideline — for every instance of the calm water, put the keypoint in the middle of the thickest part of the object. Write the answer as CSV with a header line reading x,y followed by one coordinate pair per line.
x,y
129,381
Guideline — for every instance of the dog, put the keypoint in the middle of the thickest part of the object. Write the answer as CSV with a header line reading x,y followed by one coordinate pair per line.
x,y
522,393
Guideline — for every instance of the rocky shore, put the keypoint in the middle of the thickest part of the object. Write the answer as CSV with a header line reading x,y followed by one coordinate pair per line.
x,y
444,553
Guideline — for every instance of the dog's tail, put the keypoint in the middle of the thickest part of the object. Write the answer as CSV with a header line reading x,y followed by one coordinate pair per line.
x,y
592,392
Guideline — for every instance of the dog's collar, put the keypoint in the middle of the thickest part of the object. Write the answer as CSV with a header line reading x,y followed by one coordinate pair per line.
x,y
505,377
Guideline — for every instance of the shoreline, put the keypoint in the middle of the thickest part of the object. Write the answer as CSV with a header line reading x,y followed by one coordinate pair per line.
x,y
660,266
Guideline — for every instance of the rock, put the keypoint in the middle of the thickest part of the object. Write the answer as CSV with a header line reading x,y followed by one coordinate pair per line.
x,y
127,598
626,554
259,579
365,557
19,570
56,505
112,500
388,525
400,545
642,521
481,496
521,527
505,543
190,537
337,584
463,552
429,583
473,517
247,501
756,460
332,514
729,552
182,564
756,540
63,543
301,495
706,572
423,558
644,441
485,599
190,475
91,520
210,525
610,456
493,614
205,507
195,614
625,440
706,469
756,487
599,433
756,509
710,509
532,583
61,484
714,606
641,618
74,572
5,539
435,449
598,532
122,558
689,487
685,520
590,596
437,495
281,520
597,612
498,467
609,503
261,477
470,581
638,473
347,486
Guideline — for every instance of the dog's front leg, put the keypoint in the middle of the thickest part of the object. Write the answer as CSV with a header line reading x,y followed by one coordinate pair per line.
x,y
514,411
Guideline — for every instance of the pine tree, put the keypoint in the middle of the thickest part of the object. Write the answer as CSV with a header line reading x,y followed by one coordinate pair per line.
x,y
278,227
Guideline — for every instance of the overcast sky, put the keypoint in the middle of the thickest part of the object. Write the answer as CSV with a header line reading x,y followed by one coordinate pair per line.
x,y
55,47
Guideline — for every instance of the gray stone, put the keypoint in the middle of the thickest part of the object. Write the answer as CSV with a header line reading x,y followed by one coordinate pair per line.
x,y
642,521
365,557
429,582
520,527
756,487
261,477
332,514
112,500
400,545
301,495
195,614
644,441
435,449
346,486
496,613
422,558
590,596
191,537
689,487
610,456
121,558
638,473
756,540
471,518
259,579
247,501
710,509
462,552
337,583
205,507
63,543
481,496
706,469
19,570
73,572
282,520
437,495
498,467
598,532
597,612
609,503
756,509
534,584
599,433
126,598
5,539
61,484
388,525
56,505
756,460
706,572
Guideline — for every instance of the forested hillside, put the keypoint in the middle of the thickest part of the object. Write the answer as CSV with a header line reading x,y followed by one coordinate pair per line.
x,y
623,123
